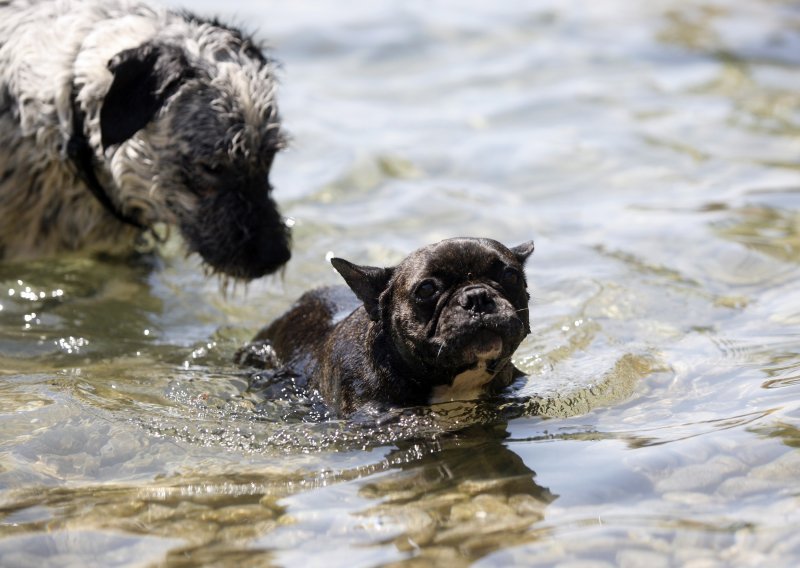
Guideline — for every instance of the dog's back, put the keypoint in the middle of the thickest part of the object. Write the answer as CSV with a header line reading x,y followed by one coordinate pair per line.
x,y
298,335
43,207
36,55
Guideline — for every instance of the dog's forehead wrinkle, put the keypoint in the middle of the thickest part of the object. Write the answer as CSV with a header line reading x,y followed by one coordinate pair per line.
x,y
439,264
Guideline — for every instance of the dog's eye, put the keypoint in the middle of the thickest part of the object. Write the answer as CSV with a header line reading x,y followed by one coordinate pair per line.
x,y
511,277
426,290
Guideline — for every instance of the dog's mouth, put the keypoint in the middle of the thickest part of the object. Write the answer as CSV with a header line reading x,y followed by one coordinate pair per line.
x,y
475,345
461,337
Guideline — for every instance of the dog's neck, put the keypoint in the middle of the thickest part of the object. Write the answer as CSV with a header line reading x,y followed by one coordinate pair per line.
x,y
80,153
466,385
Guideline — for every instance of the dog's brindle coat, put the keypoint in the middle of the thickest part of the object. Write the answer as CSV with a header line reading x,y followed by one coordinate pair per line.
x,y
441,325
116,115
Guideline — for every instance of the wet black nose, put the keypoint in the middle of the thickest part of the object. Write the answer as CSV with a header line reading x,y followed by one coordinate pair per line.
x,y
476,299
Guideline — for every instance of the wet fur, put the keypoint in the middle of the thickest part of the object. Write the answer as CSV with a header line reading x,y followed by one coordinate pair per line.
x,y
181,119
377,345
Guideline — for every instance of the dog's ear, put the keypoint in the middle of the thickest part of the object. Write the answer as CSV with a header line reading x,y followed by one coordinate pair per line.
x,y
522,252
144,77
367,282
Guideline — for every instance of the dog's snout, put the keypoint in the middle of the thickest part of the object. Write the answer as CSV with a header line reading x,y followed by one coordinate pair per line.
x,y
476,299
241,238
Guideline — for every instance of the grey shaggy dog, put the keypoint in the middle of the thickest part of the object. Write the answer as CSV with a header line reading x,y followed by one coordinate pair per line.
x,y
117,115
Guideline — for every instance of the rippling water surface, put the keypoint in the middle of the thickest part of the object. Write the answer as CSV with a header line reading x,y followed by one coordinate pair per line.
x,y
651,149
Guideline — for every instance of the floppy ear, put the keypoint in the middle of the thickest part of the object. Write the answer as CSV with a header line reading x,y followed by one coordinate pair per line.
x,y
367,282
523,251
144,77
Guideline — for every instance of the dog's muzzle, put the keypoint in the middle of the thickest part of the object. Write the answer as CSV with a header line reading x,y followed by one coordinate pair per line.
x,y
238,236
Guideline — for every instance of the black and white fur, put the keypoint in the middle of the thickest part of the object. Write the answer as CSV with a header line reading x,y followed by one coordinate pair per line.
x,y
116,115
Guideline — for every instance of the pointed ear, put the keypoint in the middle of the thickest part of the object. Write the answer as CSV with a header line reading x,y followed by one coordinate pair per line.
x,y
144,78
523,251
367,282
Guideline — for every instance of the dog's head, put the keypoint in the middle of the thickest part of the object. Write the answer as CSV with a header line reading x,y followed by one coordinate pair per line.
x,y
450,305
192,131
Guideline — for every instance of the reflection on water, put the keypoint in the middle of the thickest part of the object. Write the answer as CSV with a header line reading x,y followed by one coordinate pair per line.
x,y
768,230
652,152
461,502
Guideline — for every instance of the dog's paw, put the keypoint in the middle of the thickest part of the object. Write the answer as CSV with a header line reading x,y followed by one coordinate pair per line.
x,y
258,354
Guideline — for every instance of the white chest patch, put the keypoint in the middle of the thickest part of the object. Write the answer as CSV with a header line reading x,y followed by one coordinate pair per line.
x,y
465,386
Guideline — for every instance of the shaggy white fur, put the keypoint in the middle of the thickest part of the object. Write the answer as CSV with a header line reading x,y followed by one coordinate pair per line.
x,y
205,149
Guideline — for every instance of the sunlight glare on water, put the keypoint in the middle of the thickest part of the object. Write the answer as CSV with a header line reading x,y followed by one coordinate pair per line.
x,y
651,150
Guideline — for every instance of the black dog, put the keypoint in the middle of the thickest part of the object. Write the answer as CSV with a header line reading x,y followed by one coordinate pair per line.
x,y
442,325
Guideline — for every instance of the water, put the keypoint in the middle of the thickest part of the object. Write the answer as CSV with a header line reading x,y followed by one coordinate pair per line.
x,y
651,149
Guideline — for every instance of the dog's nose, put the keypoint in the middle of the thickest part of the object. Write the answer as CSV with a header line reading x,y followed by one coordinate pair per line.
x,y
476,299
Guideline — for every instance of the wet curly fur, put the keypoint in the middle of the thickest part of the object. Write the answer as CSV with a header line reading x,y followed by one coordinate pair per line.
x,y
179,117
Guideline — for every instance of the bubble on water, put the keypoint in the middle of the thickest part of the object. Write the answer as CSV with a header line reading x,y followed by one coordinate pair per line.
x,y
212,414
203,351
29,294
70,345
277,426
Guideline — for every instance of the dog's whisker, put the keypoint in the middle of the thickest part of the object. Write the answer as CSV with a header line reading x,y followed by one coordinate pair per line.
x,y
441,347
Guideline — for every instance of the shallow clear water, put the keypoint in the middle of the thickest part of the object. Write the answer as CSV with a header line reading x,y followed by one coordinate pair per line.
x,y
651,149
